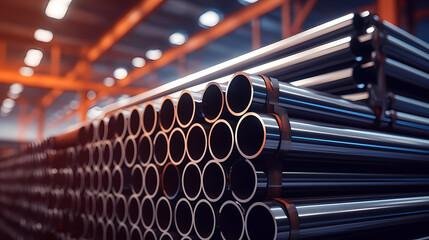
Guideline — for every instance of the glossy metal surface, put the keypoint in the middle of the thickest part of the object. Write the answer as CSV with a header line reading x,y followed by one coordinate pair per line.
x,y
205,219
197,142
213,101
150,117
191,181
231,219
188,108
408,105
406,73
221,140
167,114
214,181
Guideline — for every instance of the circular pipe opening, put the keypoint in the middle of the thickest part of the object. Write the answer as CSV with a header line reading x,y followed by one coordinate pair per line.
x,y
170,181
221,140
214,181
212,102
151,180
185,109
121,208
117,180
86,155
149,235
250,136
121,124
102,133
134,122
243,180
91,132
196,142
111,127
92,225
79,180
82,135
100,229
106,179
90,204
260,223
164,214
137,179
134,210
239,95
205,220
107,153
145,150
100,202
160,145
130,151
183,217
118,152
122,232
148,212
166,236
96,182
110,231
167,114
177,146
135,233
110,207
231,221
149,119
191,181
89,179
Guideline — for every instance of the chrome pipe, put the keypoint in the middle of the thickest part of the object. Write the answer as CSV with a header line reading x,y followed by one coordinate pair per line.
x,y
231,220
160,148
134,121
213,101
214,181
177,146
145,150
148,212
137,185
134,210
191,181
164,214
170,181
196,142
183,217
167,114
151,180
188,108
221,140
130,151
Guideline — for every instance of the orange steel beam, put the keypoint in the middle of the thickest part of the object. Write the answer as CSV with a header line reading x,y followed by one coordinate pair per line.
x,y
68,116
22,114
421,14
55,60
61,83
302,16
202,38
388,10
256,33
286,19
3,48
41,123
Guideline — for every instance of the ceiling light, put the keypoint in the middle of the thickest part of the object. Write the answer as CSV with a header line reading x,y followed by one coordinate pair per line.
x,y
177,38
12,95
74,104
16,88
109,81
247,2
33,57
138,62
26,71
91,95
120,73
5,110
8,103
43,35
209,19
370,29
57,8
153,54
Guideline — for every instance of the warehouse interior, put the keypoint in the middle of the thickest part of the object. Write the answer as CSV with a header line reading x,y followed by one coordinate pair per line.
x,y
321,112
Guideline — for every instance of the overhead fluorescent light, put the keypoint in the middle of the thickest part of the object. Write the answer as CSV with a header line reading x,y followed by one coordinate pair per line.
x,y
120,73
57,8
109,81
43,35
16,88
153,54
138,62
26,71
33,57
247,2
91,95
209,19
177,38
8,103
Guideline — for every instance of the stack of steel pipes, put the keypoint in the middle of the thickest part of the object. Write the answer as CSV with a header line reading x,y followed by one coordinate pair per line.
x,y
312,141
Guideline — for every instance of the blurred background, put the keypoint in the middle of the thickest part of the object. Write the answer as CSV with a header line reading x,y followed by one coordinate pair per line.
x,y
61,61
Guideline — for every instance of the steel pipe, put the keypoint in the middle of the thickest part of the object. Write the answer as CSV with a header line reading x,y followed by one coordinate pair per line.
x,y
111,126
407,105
231,220
145,150
102,129
96,179
196,142
169,236
136,233
150,118
221,140
137,185
86,155
191,181
214,181
118,152
91,228
249,183
167,114
122,232
110,231
130,151
164,214
321,218
150,234
121,123
100,229
97,154
109,207
107,153
205,220
188,108
148,212
160,147
183,217
213,101
121,209
170,181
90,203
106,180
75,137
177,146
134,121
151,180
89,179
92,131
122,180
134,210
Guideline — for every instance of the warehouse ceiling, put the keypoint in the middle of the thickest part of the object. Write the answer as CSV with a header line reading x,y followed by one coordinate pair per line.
x,y
86,22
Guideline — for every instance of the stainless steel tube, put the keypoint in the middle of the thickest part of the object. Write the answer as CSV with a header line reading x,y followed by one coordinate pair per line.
x,y
197,142
183,217
214,181
188,108
213,101
177,146
167,114
160,148
145,150
170,181
221,140
191,181
231,220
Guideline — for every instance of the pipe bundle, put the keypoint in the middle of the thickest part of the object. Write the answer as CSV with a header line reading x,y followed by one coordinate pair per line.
x,y
278,151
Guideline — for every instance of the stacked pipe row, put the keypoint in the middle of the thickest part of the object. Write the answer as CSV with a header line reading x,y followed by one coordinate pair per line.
x,y
243,156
